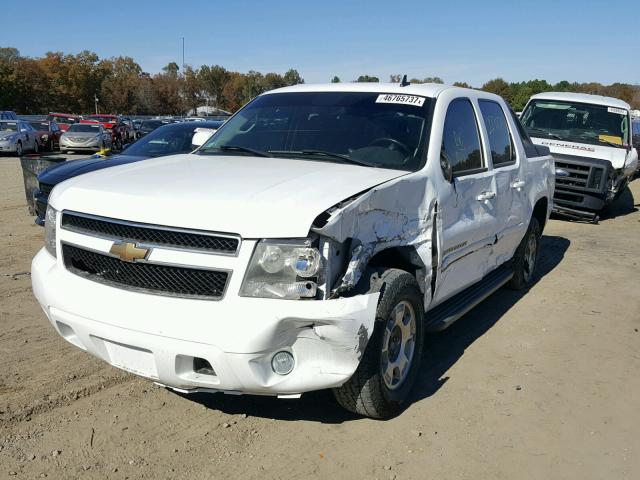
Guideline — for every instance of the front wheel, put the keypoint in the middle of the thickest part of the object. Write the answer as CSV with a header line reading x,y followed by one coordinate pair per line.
x,y
381,384
526,257
19,149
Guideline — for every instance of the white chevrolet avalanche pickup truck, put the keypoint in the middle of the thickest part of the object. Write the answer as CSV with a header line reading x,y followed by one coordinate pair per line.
x,y
309,244
591,139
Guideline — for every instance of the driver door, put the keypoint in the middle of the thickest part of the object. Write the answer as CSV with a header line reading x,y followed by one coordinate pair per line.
x,y
467,204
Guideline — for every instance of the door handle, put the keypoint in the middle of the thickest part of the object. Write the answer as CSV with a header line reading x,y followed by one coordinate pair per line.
x,y
518,184
484,196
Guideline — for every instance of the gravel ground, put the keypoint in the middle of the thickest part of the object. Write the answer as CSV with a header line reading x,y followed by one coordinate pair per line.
x,y
537,385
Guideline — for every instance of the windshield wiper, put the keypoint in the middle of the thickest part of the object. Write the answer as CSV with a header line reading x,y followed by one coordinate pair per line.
x,y
238,148
553,135
324,153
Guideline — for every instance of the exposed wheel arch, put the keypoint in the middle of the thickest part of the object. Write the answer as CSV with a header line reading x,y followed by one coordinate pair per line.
x,y
540,212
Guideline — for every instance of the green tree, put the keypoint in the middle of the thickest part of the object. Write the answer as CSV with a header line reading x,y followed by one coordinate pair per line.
x,y
367,78
292,77
335,79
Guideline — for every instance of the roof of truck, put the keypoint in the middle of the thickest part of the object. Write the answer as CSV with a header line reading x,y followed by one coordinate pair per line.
x,y
423,89
582,98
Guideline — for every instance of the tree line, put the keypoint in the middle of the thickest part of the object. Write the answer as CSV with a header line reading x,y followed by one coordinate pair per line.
x,y
71,83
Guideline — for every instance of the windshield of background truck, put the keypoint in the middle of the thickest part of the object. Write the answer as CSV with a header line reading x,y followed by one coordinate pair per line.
x,y
373,129
577,122
8,126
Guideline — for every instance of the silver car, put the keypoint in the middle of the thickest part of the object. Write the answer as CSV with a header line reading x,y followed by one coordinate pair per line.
x,y
85,136
17,137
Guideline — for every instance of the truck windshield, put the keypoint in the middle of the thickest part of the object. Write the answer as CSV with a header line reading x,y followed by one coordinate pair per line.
x,y
577,122
372,129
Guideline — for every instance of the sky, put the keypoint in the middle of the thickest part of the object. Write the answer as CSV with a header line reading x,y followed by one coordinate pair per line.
x,y
471,41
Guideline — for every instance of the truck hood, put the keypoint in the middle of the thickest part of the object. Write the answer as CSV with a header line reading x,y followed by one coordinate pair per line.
x,y
251,196
617,156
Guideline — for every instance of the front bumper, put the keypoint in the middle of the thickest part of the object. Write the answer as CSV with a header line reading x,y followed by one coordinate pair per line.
x,y
158,337
70,145
7,147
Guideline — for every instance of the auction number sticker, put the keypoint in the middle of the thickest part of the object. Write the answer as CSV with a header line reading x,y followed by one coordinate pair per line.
x,y
619,111
401,99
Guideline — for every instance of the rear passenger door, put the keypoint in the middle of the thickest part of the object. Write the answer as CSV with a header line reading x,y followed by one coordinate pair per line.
x,y
467,208
509,179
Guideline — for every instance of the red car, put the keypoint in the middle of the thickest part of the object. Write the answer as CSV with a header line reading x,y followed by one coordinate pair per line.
x,y
47,134
63,119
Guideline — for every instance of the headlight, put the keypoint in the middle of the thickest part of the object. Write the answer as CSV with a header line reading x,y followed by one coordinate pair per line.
x,y
283,269
45,138
50,220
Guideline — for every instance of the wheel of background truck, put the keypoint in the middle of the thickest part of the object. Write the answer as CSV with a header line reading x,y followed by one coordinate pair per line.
x,y
382,382
526,257
35,146
19,149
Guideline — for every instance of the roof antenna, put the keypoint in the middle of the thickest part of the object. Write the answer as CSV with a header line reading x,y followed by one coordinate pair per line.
x,y
404,82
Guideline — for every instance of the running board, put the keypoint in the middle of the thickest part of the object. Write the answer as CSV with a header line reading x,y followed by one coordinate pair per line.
x,y
450,310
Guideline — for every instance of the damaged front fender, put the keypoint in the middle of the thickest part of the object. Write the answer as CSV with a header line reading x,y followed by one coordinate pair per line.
x,y
396,213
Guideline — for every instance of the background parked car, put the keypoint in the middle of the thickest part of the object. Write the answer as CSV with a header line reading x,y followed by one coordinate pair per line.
x,y
64,120
17,136
48,134
148,126
85,136
8,115
167,140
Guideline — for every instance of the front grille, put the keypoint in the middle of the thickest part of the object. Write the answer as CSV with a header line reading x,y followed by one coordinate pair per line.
x,y
146,277
147,234
588,177
45,188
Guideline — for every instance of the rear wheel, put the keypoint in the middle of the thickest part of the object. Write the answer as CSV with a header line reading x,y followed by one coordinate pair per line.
x,y
380,386
35,146
19,149
526,257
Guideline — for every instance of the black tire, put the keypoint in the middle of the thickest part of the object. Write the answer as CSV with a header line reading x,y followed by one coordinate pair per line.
x,y
366,392
35,147
19,150
524,261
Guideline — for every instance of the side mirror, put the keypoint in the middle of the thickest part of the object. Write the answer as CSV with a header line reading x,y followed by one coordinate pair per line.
x,y
445,164
200,136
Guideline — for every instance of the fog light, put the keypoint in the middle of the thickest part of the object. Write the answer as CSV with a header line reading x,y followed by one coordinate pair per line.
x,y
282,363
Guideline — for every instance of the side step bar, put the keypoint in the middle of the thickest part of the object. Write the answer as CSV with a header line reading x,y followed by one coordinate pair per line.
x,y
449,311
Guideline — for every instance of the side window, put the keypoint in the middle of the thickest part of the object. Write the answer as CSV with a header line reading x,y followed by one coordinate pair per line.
x,y
460,138
500,143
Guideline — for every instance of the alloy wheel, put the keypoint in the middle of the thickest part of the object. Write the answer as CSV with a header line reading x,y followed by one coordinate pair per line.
x,y
398,345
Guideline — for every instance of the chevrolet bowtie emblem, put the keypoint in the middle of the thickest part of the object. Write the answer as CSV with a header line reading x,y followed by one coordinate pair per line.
x,y
128,252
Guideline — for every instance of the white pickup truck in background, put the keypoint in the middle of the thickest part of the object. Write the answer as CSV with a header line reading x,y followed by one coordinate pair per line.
x,y
590,137
309,244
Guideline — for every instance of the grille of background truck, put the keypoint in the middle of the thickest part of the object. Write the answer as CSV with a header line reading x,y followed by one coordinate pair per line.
x,y
152,235
583,177
146,277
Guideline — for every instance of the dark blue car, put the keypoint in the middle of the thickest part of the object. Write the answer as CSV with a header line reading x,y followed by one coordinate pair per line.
x,y
169,139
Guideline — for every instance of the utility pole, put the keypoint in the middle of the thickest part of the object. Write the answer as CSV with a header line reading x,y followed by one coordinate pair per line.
x,y
95,99
182,54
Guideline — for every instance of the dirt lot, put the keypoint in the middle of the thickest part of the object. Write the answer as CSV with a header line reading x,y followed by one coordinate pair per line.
x,y
537,385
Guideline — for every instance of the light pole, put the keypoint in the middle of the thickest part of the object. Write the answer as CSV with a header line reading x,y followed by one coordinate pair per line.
x,y
95,99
